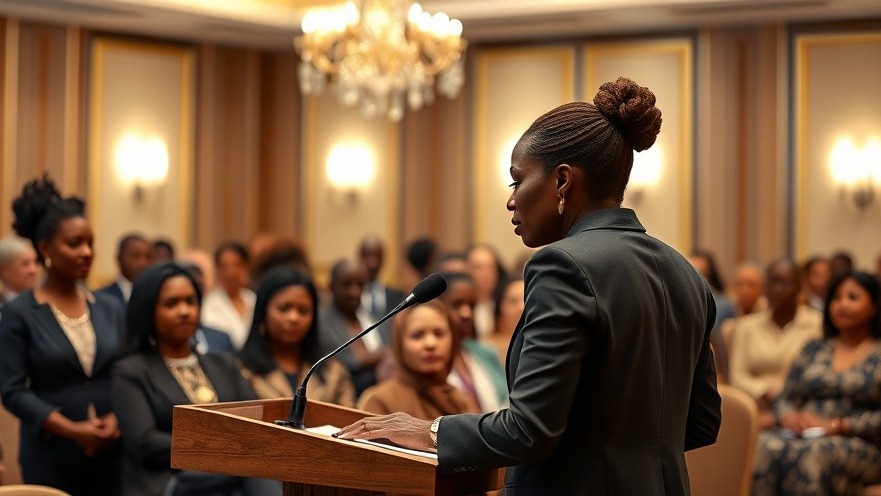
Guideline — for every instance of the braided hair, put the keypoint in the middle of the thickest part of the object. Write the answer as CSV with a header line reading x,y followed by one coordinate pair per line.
x,y
40,210
598,138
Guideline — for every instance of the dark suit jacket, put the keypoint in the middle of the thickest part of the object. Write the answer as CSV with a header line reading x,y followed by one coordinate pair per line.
x,y
610,371
144,394
40,373
210,340
114,292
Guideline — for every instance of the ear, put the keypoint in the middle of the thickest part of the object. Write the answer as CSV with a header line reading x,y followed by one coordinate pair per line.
x,y
43,248
564,174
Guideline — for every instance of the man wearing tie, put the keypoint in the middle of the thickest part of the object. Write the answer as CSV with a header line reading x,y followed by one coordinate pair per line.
x,y
378,299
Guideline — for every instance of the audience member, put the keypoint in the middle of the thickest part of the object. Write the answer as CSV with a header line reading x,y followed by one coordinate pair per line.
x,y
18,267
133,255
378,299
421,255
450,262
878,265
163,314
829,413
508,309
476,368
487,272
840,262
163,251
343,317
816,273
424,346
59,343
230,306
283,343
201,259
207,339
764,344
259,247
284,252
705,263
749,289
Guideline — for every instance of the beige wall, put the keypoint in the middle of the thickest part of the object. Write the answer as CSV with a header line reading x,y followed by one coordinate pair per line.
x,y
837,83
513,87
139,92
250,158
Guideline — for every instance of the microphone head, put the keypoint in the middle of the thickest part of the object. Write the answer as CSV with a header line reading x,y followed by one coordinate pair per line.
x,y
430,288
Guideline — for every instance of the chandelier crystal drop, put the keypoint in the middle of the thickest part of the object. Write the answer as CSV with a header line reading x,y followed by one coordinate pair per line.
x,y
381,55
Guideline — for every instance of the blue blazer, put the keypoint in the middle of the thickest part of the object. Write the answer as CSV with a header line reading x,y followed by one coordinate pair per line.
x,y
211,340
610,372
115,293
40,373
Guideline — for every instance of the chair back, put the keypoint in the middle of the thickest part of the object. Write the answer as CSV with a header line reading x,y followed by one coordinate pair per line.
x,y
9,444
726,467
30,490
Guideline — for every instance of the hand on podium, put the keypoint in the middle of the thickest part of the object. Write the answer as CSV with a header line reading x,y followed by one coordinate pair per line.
x,y
399,428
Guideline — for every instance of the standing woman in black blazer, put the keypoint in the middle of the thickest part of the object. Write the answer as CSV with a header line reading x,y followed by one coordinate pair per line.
x,y
162,316
59,343
610,372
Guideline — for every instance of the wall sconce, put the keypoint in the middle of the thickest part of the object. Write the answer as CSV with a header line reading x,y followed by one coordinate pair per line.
x,y
857,171
350,169
646,172
141,162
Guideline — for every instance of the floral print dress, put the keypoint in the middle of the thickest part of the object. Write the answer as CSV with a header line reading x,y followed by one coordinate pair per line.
x,y
828,465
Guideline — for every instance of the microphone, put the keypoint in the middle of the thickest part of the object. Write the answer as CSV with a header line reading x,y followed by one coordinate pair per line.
x,y
428,289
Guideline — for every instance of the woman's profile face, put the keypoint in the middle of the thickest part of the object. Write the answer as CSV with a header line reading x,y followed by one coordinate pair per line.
x,y
70,249
851,308
427,342
289,316
177,311
533,201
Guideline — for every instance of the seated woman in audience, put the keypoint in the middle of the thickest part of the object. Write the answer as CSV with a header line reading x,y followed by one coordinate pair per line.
x,y
477,370
508,309
487,272
816,273
829,413
283,343
59,343
424,345
162,316
764,344
230,306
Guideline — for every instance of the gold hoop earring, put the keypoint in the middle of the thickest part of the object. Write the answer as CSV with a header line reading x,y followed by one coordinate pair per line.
x,y
561,205
48,263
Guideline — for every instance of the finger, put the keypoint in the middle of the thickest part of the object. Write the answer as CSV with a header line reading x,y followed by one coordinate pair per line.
x,y
352,430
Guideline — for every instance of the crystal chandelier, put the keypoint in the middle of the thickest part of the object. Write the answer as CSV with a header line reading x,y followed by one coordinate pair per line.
x,y
379,53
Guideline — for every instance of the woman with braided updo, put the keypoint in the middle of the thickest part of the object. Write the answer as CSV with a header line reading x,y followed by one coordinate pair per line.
x,y
59,343
610,372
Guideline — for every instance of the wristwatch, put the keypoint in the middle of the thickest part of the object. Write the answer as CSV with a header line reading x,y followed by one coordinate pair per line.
x,y
432,431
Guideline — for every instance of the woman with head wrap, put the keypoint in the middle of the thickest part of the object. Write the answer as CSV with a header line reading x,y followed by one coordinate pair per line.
x,y
424,346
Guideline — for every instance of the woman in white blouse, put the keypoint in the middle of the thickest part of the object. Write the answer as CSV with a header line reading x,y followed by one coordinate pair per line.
x,y
230,306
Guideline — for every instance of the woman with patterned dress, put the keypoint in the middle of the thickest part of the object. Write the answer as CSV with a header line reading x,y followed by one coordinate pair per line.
x,y
829,413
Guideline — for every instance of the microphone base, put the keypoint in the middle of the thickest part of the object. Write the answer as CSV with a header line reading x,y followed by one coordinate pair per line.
x,y
298,411
288,423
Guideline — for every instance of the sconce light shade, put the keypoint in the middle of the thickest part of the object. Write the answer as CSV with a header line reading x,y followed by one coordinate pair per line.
x,y
856,171
646,172
141,161
350,168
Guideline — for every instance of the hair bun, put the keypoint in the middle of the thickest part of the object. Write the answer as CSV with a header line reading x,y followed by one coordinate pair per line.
x,y
33,205
631,109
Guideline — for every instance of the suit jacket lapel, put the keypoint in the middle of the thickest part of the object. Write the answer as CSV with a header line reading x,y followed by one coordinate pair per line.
x,y
107,337
46,322
164,381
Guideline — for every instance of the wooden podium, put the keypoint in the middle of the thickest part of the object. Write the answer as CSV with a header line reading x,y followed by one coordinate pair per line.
x,y
241,439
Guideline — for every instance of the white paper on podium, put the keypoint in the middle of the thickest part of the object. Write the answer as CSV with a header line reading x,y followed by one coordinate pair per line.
x,y
328,430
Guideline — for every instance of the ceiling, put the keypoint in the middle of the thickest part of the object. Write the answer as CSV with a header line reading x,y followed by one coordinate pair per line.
x,y
272,24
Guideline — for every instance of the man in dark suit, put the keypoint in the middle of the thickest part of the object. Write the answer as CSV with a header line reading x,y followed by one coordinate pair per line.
x,y
377,298
133,255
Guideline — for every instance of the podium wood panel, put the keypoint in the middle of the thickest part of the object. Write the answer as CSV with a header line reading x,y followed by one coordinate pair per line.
x,y
241,439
